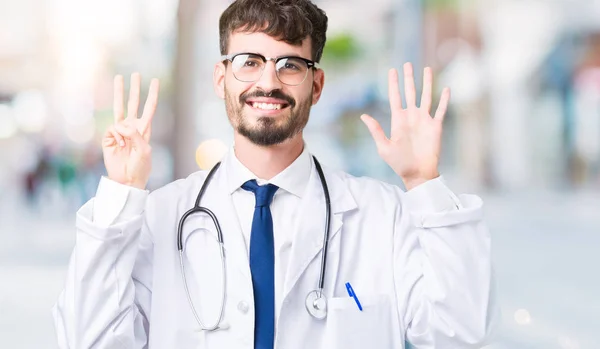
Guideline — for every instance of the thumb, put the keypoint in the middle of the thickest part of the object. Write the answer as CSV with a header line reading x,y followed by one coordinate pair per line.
x,y
130,132
375,130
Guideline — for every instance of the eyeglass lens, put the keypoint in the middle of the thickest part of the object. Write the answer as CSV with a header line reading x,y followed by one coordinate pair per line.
x,y
249,68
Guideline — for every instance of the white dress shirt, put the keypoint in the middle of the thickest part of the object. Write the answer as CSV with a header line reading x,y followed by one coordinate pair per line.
x,y
292,184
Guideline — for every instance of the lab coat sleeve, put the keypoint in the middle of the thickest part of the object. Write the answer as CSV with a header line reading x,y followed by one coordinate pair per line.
x,y
106,299
442,269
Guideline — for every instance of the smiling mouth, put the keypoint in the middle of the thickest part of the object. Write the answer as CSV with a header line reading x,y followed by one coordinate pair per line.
x,y
267,106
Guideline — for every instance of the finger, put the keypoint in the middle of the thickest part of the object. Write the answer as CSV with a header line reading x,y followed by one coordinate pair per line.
x,y
131,133
112,137
147,133
394,91
375,130
427,86
118,98
443,106
150,108
134,96
409,85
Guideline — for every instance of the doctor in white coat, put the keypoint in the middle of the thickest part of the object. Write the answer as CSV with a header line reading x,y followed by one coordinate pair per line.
x,y
417,262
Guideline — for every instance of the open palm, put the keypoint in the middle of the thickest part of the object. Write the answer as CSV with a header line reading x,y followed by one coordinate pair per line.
x,y
413,148
125,146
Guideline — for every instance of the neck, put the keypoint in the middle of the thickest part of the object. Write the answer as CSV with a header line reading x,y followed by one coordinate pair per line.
x,y
267,161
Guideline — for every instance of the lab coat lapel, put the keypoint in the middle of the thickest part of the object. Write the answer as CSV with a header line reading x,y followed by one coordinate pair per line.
x,y
308,237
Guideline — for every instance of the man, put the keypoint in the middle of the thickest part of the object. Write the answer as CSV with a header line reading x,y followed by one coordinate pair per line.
x,y
400,266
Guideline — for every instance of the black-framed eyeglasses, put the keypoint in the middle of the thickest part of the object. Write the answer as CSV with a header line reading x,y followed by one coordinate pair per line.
x,y
249,67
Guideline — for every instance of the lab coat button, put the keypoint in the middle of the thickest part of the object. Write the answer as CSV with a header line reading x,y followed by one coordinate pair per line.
x,y
243,307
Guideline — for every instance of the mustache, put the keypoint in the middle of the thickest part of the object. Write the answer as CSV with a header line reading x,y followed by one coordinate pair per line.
x,y
273,93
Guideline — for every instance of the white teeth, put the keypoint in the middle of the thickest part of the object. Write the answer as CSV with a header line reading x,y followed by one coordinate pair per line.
x,y
266,106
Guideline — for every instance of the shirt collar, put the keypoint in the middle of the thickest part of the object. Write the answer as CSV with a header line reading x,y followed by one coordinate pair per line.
x,y
293,179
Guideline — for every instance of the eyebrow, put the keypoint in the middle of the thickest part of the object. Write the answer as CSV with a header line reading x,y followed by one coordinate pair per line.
x,y
288,54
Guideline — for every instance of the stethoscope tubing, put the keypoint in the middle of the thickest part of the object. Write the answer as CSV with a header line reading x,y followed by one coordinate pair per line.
x,y
327,224
197,208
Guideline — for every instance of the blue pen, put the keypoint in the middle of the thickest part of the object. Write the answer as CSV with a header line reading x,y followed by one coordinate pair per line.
x,y
353,295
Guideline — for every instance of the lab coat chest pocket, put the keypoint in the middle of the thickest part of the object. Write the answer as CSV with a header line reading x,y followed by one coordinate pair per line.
x,y
348,327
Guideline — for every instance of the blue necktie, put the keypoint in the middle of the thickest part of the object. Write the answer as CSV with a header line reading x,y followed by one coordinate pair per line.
x,y
262,264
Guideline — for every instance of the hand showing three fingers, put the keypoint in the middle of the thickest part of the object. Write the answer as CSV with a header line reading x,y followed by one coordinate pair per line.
x,y
125,145
413,149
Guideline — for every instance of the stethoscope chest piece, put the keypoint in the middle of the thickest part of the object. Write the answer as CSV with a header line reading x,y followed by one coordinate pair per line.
x,y
316,304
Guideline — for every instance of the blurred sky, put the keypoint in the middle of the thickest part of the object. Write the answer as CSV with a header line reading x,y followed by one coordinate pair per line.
x,y
523,131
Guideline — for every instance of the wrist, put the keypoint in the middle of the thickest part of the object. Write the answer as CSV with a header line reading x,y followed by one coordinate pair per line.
x,y
411,182
134,183
137,184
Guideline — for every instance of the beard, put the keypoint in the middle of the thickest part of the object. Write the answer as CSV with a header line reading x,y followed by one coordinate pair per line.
x,y
268,130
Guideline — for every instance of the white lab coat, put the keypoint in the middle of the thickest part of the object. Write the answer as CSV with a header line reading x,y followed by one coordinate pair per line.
x,y
421,271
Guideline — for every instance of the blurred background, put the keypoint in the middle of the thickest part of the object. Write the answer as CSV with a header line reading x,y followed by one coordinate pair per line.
x,y
523,131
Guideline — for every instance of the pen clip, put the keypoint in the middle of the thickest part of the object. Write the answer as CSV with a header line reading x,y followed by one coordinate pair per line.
x,y
353,295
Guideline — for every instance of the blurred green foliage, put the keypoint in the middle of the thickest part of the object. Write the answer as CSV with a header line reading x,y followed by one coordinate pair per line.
x,y
440,4
341,47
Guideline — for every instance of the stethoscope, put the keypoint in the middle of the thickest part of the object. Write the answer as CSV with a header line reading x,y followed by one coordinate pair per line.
x,y
315,302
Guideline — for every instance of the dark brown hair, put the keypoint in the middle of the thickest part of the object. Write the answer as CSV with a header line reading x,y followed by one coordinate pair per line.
x,y
291,21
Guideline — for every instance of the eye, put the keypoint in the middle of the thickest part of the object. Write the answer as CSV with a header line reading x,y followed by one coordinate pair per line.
x,y
247,62
291,66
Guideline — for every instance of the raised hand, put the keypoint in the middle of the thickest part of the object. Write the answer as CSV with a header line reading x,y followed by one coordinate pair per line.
x,y
125,145
413,149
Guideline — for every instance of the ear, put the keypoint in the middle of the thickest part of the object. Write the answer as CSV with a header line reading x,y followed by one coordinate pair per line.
x,y
219,79
318,83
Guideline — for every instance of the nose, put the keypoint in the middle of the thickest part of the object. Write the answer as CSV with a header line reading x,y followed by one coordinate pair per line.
x,y
268,80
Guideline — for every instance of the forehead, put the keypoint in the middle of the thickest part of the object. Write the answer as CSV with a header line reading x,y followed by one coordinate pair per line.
x,y
266,45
